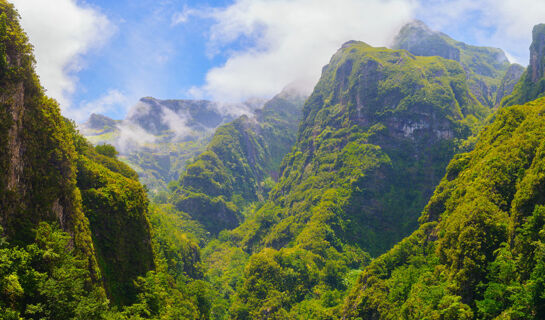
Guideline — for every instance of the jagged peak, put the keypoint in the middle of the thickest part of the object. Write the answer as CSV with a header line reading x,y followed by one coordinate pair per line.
x,y
417,25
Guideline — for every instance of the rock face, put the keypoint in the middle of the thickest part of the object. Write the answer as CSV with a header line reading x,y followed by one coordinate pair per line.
x,y
37,175
408,109
480,241
417,38
532,83
485,67
375,137
537,53
478,246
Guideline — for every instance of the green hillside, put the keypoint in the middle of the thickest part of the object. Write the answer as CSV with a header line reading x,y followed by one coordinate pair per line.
x,y
479,250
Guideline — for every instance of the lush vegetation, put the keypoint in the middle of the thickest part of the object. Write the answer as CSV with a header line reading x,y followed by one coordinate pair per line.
x,y
479,250
304,210
76,240
239,164
296,254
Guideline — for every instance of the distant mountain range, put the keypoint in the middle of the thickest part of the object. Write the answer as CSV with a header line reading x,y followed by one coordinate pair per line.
x,y
157,137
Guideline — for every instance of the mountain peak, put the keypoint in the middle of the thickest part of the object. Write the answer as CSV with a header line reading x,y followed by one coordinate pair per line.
x,y
417,38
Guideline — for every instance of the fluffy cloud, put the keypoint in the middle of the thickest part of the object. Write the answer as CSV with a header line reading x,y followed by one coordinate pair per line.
x,y
270,44
112,100
62,31
286,41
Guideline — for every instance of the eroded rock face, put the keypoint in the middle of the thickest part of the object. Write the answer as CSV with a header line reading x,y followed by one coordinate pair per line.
x,y
536,69
532,83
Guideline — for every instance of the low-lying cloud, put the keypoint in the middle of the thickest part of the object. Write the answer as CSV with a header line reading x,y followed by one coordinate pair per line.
x,y
111,100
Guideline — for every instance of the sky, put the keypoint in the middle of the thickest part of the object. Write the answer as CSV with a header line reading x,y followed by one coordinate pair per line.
x,y
102,56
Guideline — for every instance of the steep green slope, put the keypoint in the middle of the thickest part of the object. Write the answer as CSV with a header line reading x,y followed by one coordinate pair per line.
x,y
532,83
51,175
486,68
239,164
479,250
37,175
117,208
376,135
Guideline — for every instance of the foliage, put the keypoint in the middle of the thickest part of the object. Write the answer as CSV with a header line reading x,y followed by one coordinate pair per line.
x,y
237,167
365,161
481,233
47,280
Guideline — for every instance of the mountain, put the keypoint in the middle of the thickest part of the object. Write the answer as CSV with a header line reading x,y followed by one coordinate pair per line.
x,y
511,78
158,137
478,252
486,68
372,144
532,83
240,164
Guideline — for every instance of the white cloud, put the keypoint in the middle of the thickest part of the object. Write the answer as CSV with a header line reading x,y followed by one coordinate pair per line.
x,y
184,15
112,100
132,137
177,122
285,41
62,31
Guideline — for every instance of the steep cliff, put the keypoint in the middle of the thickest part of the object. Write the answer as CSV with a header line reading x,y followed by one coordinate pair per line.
x,y
479,250
51,175
38,175
478,253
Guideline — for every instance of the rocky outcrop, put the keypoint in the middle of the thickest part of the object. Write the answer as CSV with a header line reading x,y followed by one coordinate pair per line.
x,y
536,69
417,38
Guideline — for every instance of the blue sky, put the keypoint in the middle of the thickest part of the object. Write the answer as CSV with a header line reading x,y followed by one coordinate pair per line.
x,y
114,52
